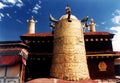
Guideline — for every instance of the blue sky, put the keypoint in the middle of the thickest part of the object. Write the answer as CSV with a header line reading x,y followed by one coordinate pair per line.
x,y
15,13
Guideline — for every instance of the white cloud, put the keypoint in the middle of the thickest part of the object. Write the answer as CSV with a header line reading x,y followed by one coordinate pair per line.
x,y
2,5
7,14
36,7
7,4
15,12
116,17
19,3
10,3
19,21
117,12
116,30
116,39
103,23
1,16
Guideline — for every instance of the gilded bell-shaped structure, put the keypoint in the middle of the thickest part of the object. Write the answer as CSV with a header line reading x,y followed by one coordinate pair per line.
x,y
69,60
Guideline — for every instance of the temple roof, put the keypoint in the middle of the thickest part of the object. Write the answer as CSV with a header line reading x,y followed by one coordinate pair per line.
x,y
103,53
12,52
39,34
97,33
11,44
50,34
11,56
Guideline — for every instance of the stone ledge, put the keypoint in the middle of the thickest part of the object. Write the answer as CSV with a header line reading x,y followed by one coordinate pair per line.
x,y
53,80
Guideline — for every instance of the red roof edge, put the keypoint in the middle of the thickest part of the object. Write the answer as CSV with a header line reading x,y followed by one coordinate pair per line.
x,y
98,33
39,34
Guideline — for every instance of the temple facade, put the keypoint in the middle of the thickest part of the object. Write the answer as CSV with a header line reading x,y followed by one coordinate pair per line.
x,y
102,61
13,56
68,53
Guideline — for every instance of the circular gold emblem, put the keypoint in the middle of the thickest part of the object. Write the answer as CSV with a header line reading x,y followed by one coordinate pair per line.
x,y
102,66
